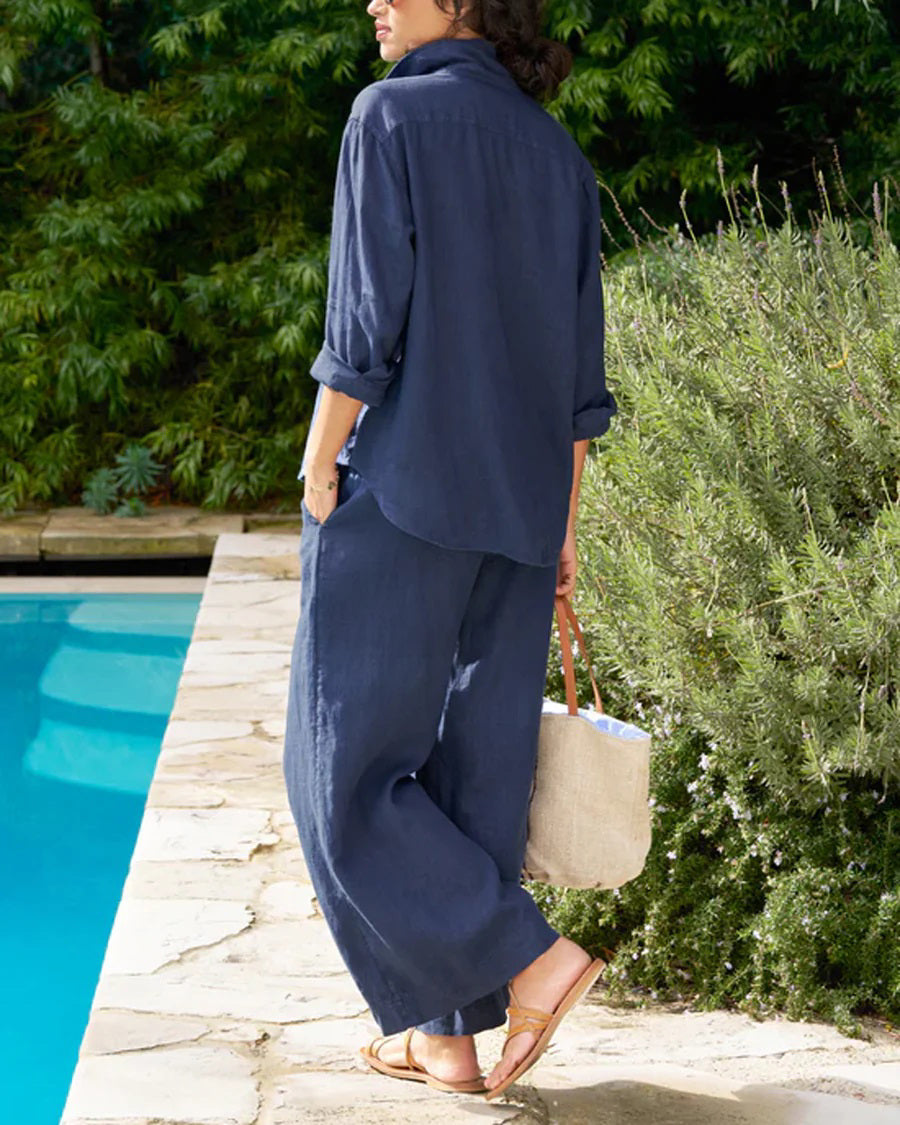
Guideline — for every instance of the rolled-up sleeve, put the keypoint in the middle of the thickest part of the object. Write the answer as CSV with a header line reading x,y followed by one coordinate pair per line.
x,y
370,269
594,404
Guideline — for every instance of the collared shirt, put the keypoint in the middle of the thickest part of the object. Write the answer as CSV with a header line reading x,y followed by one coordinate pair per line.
x,y
464,304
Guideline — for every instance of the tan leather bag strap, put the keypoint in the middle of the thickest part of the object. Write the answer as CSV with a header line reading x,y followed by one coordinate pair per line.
x,y
565,615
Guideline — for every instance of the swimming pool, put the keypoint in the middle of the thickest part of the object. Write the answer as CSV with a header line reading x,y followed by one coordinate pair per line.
x,y
86,686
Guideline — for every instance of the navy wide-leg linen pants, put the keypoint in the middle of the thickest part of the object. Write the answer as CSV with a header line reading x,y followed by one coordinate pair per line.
x,y
412,725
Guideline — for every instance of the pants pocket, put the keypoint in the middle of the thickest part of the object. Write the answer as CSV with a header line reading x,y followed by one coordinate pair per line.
x,y
348,482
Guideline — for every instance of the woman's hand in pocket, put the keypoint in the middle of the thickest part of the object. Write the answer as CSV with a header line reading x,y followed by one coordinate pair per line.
x,y
321,490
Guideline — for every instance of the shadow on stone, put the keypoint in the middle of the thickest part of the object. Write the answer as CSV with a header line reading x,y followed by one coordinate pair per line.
x,y
619,1101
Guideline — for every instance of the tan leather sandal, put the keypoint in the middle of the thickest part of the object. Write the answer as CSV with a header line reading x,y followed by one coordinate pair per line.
x,y
415,1070
541,1023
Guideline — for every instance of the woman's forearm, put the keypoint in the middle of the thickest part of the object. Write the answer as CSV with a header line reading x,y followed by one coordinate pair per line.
x,y
330,429
579,452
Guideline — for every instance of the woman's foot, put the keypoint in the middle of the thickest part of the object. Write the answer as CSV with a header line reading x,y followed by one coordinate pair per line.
x,y
542,984
452,1058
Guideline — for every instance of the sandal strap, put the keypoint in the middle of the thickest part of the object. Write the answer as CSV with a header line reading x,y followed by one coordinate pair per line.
x,y
410,1061
377,1043
526,1019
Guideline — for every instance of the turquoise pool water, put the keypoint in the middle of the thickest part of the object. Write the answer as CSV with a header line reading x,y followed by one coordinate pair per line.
x,y
86,687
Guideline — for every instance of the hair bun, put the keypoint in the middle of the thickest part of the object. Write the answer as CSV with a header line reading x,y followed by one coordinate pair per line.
x,y
539,50
537,63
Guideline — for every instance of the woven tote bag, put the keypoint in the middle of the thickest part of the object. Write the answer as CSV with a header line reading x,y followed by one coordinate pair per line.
x,y
589,813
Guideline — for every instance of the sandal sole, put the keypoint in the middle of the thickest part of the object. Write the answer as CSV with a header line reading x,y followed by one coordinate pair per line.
x,y
474,1086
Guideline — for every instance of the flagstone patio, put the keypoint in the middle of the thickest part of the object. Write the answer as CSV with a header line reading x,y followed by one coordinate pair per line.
x,y
222,999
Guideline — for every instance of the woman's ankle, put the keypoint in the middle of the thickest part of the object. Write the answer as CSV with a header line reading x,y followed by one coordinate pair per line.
x,y
451,1057
563,952
448,1043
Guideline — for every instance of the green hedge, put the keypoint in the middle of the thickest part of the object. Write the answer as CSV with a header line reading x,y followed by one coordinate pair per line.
x,y
739,544
166,179
164,215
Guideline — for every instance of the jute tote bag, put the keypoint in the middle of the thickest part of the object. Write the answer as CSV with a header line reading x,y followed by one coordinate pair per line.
x,y
589,815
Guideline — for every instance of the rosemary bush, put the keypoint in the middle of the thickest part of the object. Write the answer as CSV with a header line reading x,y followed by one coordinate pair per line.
x,y
739,545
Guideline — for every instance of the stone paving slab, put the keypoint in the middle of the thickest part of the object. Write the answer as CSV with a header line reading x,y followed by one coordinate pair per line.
x,y
281,523
649,1095
198,1083
884,1077
222,999
80,533
20,535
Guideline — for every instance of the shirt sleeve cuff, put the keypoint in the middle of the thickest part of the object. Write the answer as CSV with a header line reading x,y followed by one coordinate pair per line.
x,y
592,422
367,386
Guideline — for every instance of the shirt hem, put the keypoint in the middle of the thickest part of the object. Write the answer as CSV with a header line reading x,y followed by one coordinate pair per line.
x,y
390,514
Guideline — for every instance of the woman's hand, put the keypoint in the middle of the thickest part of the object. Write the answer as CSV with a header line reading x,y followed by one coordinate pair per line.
x,y
319,493
567,566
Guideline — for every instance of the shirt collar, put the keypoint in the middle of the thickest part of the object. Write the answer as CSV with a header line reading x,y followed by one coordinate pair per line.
x,y
436,53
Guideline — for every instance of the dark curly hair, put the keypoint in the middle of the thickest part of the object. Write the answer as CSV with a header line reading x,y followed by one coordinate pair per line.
x,y
536,63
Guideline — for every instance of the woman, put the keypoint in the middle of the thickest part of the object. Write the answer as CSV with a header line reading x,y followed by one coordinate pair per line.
x,y
461,379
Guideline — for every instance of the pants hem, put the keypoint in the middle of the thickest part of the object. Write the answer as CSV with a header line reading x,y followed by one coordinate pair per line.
x,y
397,1019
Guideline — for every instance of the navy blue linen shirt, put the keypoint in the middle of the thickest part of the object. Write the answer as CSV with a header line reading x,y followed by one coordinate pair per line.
x,y
464,304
